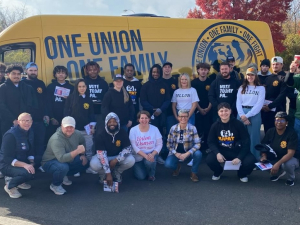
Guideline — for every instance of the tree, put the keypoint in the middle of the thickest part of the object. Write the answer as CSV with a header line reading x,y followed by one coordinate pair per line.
x,y
292,48
272,12
292,24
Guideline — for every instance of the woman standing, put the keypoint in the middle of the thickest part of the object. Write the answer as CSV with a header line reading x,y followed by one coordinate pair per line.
x,y
117,100
146,141
185,98
250,100
80,107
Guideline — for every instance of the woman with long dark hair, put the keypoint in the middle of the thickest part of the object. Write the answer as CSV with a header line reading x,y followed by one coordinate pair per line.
x,y
80,107
250,100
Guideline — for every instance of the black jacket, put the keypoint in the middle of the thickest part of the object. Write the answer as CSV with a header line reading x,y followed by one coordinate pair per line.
x,y
231,136
17,144
276,91
56,104
113,101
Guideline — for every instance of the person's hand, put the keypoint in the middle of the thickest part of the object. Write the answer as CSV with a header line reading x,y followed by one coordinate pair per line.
x,y
15,122
156,113
202,111
80,149
247,122
293,67
184,156
54,122
84,160
220,158
263,158
29,168
275,169
46,119
129,123
207,110
109,179
266,108
236,161
150,157
244,118
177,155
113,163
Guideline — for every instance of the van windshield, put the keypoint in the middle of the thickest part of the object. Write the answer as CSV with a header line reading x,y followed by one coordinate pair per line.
x,y
18,53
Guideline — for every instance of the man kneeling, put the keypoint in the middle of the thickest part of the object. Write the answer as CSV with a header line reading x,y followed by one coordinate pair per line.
x,y
16,156
114,151
64,155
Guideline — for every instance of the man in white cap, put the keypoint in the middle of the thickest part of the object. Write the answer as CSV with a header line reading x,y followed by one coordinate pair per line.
x,y
64,155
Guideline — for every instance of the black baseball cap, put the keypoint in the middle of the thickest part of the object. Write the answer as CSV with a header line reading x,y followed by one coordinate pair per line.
x,y
230,58
168,63
118,77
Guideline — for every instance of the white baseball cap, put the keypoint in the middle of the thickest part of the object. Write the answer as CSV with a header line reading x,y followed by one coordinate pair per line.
x,y
68,121
277,59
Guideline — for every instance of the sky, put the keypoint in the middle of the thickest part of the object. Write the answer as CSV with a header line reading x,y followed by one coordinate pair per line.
x,y
171,8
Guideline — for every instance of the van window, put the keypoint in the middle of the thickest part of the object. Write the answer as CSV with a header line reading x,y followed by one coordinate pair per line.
x,y
18,53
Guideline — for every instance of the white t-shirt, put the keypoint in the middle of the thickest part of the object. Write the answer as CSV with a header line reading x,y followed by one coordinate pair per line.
x,y
145,141
185,97
254,96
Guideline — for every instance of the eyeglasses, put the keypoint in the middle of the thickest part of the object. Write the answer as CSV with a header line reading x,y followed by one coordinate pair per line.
x,y
25,121
184,117
280,121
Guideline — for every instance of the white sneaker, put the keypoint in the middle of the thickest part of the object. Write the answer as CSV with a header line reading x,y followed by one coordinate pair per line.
x,y
215,178
24,186
1,175
58,190
41,169
160,160
244,179
190,163
13,192
89,170
76,175
66,181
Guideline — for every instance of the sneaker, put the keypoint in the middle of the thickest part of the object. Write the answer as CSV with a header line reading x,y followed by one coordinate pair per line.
x,y
66,181
160,160
102,178
190,163
276,178
1,175
89,170
58,190
13,192
177,171
290,183
151,178
216,177
76,175
41,169
24,186
117,176
194,177
244,179
7,179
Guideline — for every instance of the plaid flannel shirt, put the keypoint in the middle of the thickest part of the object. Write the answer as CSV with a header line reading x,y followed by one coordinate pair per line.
x,y
191,140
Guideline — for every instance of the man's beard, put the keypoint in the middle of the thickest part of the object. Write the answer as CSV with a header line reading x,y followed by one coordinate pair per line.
x,y
112,130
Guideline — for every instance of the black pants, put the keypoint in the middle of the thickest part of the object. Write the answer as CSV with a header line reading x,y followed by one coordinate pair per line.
x,y
203,124
19,175
39,130
268,120
245,169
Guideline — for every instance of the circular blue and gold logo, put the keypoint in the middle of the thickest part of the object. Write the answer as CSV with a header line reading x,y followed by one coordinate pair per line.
x,y
228,39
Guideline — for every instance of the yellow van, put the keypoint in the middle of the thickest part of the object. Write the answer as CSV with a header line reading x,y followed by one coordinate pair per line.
x,y
72,41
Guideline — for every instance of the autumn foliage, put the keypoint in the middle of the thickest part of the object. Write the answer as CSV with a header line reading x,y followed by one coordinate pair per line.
x,y
272,12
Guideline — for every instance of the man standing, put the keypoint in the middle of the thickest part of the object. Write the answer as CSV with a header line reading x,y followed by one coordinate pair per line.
x,y
276,92
39,114
133,87
114,151
16,156
64,155
223,89
235,70
96,87
204,116
264,71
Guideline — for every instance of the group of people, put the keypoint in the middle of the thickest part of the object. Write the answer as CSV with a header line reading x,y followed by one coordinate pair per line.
x,y
106,129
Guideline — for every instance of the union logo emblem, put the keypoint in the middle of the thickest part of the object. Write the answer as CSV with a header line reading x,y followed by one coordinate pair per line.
x,y
283,144
118,143
39,90
173,86
275,83
162,91
207,87
86,105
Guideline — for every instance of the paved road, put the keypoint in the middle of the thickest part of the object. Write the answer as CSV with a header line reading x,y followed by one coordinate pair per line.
x,y
167,200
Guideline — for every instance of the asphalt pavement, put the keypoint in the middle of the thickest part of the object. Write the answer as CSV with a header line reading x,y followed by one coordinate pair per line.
x,y
167,200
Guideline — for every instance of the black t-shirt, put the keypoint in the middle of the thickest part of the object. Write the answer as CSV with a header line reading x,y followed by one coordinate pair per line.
x,y
173,85
180,148
104,141
202,88
281,143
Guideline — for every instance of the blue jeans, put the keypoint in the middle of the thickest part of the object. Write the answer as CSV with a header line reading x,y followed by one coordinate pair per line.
x,y
60,170
19,175
144,168
297,129
39,131
253,131
172,161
